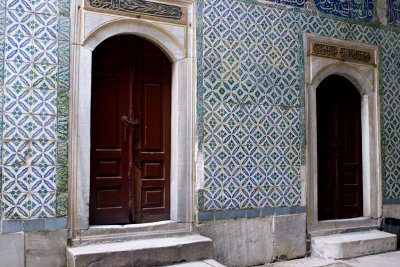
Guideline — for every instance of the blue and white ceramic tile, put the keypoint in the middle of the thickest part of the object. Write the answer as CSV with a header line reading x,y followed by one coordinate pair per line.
x,y
45,76
18,49
24,5
19,23
44,128
43,205
17,101
49,7
18,75
45,51
15,153
17,127
45,102
16,205
45,26
43,153
15,180
43,179
35,56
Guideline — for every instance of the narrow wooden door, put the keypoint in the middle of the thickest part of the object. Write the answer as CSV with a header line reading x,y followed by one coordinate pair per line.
x,y
152,107
339,149
130,132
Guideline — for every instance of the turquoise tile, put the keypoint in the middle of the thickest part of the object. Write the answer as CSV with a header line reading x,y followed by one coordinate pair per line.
x,y
64,28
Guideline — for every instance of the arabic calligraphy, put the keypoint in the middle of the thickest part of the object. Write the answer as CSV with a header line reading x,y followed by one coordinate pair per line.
x,y
393,12
325,50
353,9
297,3
355,55
342,53
140,6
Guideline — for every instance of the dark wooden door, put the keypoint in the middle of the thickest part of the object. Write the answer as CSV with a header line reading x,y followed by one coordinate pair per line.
x,y
130,132
339,149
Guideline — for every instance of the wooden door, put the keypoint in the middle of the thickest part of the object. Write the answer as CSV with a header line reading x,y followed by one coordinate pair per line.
x,y
339,149
130,132
152,107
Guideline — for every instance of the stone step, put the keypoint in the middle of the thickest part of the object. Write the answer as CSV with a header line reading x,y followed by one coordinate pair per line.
x,y
351,245
204,263
120,233
147,252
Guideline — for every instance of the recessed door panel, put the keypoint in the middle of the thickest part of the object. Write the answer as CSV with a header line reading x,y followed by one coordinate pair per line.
x,y
153,117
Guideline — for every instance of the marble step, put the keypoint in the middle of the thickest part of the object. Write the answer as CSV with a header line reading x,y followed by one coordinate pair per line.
x,y
351,245
147,252
120,233
203,263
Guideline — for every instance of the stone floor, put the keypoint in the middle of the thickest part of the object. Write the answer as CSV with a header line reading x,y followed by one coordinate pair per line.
x,y
389,259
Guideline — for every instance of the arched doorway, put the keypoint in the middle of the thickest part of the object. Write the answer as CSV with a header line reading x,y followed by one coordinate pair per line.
x,y
339,149
130,132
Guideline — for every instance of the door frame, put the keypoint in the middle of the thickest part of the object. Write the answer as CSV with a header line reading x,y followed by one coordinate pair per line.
x,y
365,78
182,109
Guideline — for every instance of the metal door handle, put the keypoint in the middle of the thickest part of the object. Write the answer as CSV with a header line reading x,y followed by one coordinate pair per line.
x,y
128,122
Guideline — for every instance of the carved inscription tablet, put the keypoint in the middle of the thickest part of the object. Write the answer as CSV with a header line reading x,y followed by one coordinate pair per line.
x,y
342,53
139,7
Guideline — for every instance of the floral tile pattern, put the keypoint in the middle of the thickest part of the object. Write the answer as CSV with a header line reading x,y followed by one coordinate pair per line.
x,y
34,58
251,100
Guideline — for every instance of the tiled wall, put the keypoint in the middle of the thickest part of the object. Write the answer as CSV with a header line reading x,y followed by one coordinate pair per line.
x,y
251,100
34,61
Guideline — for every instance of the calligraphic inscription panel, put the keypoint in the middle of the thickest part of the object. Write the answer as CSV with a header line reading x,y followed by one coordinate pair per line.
x,y
297,3
342,53
393,12
148,8
353,9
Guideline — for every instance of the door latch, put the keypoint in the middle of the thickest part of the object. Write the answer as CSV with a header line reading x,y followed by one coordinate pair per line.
x,y
127,122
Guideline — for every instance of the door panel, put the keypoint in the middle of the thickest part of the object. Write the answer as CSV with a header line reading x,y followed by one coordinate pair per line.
x,y
108,168
152,117
130,132
351,154
339,149
326,153
152,149
109,162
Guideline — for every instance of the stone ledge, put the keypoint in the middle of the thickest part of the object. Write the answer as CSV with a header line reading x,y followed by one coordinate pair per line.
x,y
205,216
45,224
